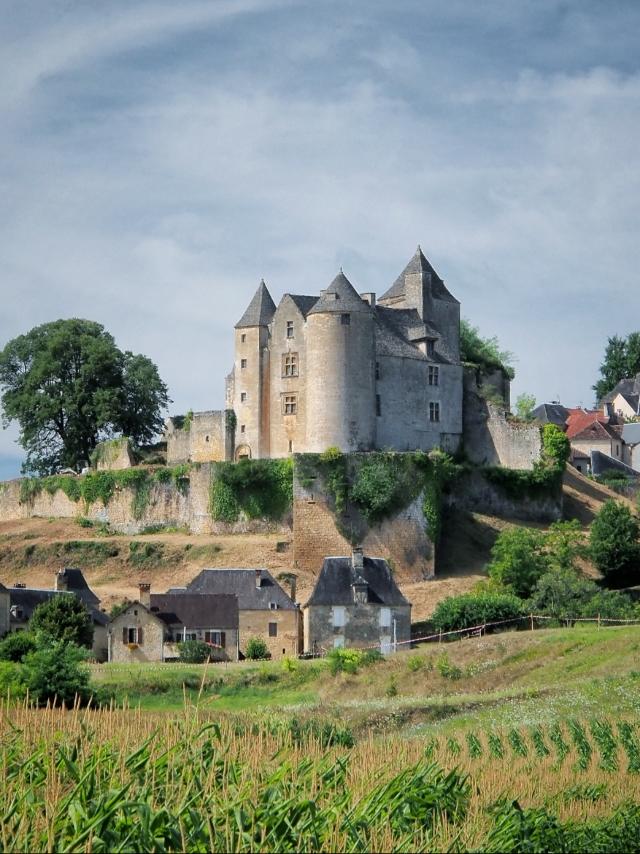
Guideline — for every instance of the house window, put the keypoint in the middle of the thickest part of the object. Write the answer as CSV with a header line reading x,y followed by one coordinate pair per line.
x,y
216,638
243,363
431,348
345,319
273,606
338,616
132,634
434,375
242,428
289,404
273,630
377,370
243,396
289,328
290,446
243,337
378,405
434,412
290,365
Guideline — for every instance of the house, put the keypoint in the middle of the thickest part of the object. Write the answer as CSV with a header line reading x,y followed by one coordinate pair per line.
x,y
337,368
631,447
151,628
624,399
24,600
5,610
356,603
264,609
587,430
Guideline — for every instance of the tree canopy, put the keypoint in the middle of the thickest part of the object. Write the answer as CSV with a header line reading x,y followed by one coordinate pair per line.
x,y
65,618
68,387
621,359
484,352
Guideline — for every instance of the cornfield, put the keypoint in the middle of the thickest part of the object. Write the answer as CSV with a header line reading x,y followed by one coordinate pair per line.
x,y
124,780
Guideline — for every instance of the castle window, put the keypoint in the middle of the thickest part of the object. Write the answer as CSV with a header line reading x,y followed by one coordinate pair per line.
x,y
243,363
243,396
273,630
290,365
290,446
434,375
243,338
434,411
431,348
345,319
377,370
289,328
242,428
378,405
289,404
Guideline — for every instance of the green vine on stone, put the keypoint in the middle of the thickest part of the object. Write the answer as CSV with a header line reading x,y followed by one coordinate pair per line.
x,y
259,489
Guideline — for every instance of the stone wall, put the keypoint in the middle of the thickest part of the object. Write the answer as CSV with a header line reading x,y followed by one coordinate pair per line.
x,y
475,493
114,454
401,539
288,640
150,649
206,437
362,627
489,437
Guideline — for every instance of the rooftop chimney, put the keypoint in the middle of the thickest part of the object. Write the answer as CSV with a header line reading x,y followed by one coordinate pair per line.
x,y
357,558
144,596
258,579
370,298
61,583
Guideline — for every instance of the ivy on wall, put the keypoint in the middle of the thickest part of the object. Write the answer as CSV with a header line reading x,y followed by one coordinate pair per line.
x,y
101,485
257,489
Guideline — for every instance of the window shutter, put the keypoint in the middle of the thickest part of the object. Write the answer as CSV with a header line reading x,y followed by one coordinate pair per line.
x,y
125,634
223,639
139,634
207,637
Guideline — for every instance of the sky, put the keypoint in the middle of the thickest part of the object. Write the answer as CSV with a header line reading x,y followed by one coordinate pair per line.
x,y
158,158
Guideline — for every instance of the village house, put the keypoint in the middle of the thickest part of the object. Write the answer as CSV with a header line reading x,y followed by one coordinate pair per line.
x,y
624,399
264,609
5,607
588,430
356,603
151,628
24,600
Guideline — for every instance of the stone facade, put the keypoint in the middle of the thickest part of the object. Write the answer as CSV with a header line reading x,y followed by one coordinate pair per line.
x,y
136,635
5,605
475,493
356,603
200,437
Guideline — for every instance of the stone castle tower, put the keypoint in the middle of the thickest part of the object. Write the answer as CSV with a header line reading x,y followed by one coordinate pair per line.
x,y
341,370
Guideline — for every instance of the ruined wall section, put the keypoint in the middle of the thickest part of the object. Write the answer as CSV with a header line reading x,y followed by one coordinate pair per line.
x,y
475,492
206,437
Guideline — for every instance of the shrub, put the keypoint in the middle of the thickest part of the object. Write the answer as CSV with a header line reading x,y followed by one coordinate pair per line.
x,y
469,609
343,660
11,680
194,651
446,669
55,673
518,560
614,540
258,488
16,645
257,649
64,618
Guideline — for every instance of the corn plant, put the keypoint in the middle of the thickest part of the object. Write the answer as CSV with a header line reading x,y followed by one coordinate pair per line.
x,y
604,738
581,742
630,744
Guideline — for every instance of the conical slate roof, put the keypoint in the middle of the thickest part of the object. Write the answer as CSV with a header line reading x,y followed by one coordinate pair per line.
x,y
340,296
419,264
260,310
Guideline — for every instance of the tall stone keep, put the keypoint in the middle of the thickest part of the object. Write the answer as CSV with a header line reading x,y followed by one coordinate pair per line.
x,y
341,395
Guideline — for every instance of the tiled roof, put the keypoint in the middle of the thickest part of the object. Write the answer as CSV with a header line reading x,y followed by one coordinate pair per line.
x,y
337,575
419,264
551,413
196,610
595,431
28,599
260,310
628,385
631,433
340,296
579,419
303,302
242,583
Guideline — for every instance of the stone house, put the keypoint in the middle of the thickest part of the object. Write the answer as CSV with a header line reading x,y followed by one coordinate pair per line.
x,y
24,600
624,399
5,610
265,610
151,628
356,603
631,439
338,369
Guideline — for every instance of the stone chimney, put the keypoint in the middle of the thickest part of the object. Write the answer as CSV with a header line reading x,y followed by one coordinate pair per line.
x,y
258,579
60,581
357,558
144,596
370,298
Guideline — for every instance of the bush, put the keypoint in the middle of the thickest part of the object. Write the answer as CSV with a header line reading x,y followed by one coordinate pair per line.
x,y
462,612
566,594
11,681
518,560
16,645
614,540
194,651
56,673
343,660
257,649
65,618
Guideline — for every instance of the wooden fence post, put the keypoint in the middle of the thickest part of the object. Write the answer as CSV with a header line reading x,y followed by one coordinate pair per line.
x,y
531,616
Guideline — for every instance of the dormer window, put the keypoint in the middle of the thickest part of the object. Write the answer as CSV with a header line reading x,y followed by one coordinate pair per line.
x,y
273,606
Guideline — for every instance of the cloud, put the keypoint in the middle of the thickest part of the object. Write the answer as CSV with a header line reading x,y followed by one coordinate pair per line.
x,y
151,178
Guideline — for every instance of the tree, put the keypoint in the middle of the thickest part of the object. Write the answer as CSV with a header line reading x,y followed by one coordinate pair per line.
x,y
55,673
525,404
518,560
614,541
475,609
621,359
68,387
63,618
566,594
564,544
483,352
16,646
194,651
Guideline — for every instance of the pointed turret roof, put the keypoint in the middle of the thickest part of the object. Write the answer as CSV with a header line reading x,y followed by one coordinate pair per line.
x,y
260,310
340,296
419,264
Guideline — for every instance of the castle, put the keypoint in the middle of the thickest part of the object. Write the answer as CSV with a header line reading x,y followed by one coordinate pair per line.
x,y
338,370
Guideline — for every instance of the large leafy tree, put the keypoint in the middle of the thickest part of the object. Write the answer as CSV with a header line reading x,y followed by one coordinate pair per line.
x,y
615,542
64,618
68,386
621,359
